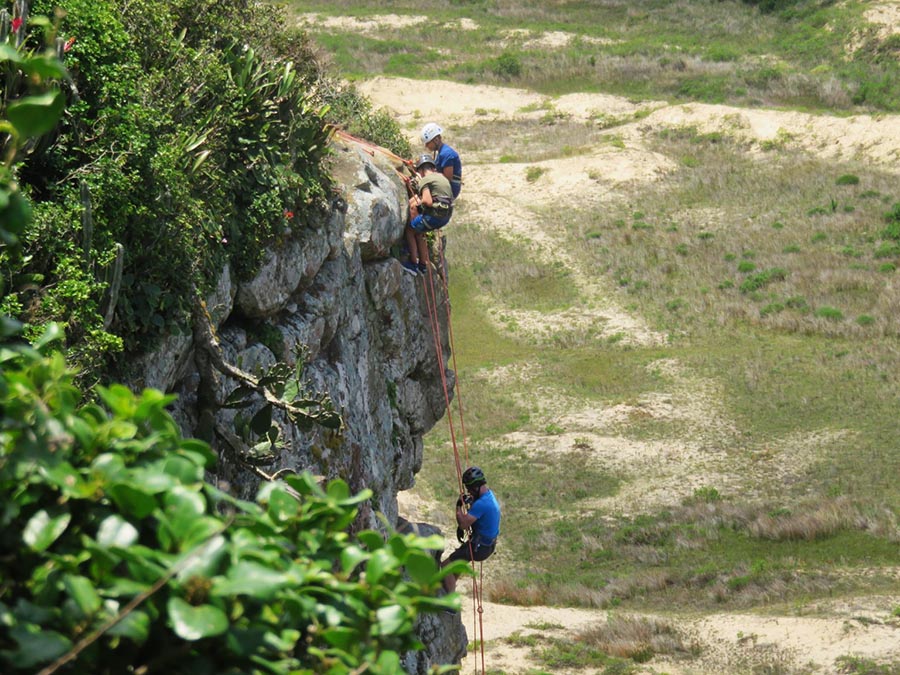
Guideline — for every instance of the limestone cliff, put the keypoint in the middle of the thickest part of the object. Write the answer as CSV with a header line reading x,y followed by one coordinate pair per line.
x,y
333,290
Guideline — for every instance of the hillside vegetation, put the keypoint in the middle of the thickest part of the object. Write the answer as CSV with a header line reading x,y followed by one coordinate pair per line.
x,y
676,333
815,54
193,137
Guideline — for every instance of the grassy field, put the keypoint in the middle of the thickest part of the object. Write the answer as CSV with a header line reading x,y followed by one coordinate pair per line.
x,y
694,261
771,272
710,51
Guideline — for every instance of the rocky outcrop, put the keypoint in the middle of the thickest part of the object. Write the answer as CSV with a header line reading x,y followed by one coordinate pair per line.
x,y
333,297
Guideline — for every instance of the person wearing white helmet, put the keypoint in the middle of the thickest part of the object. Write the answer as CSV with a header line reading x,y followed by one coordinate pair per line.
x,y
430,209
446,159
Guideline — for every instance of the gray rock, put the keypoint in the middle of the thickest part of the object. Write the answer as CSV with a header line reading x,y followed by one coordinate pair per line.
x,y
332,297
377,208
285,270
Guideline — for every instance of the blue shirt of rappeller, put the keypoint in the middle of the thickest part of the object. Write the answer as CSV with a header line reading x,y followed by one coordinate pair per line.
x,y
447,156
486,510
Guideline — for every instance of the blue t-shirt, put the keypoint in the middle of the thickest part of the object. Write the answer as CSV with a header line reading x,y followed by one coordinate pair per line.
x,y
486,511
447,156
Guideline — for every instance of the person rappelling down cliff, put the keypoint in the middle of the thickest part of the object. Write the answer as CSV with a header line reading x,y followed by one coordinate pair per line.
x,y
479,511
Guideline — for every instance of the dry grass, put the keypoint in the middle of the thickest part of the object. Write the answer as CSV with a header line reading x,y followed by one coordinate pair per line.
x,y
527,140
815,522
511,593
633,637
804,521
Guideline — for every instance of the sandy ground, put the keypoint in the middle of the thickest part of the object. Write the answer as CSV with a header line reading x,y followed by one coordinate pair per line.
x,y
885,15
803,639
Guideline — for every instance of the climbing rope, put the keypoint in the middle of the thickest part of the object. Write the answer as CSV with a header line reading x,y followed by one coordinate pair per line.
x,y
462,424
431,302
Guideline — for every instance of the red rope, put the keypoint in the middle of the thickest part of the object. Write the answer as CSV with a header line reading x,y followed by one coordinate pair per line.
x,y
459,402
431,302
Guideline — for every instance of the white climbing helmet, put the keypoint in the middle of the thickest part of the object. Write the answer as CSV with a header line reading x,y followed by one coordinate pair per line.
x,y
429,131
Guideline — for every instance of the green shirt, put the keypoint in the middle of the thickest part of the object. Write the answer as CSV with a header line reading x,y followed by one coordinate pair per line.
x,y
441,193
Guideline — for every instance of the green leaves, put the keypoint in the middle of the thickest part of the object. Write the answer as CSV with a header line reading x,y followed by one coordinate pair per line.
x,y
108,510
34,646
253,579
82,592
35,115
194,623
115,531
422,567
43,529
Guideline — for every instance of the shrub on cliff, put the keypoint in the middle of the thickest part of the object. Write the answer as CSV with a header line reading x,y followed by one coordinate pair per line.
x,y
193,136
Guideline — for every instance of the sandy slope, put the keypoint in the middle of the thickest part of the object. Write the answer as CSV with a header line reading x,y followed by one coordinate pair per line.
x,y
661,473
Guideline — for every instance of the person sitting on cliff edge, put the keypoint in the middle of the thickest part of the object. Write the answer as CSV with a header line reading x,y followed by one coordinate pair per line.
x,y
446,159
430,208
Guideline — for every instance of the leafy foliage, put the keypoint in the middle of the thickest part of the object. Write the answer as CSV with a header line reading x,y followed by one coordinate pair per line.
x,y
30,105
892,218
182,148
116,553
347,107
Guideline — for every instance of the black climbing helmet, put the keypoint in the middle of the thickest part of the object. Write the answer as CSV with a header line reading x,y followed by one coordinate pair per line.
x,y
423,160
473,477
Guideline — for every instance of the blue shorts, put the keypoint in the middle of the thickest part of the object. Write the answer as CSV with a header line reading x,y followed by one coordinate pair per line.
x,y
425,223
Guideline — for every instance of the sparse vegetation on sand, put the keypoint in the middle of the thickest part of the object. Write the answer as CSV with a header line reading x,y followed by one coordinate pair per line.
x,y
676,326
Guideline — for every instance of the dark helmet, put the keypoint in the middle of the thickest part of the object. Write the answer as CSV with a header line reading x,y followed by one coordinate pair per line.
x,y
473,477
423,160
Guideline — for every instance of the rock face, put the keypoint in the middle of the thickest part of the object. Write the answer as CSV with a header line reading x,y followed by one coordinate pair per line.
x,y
333,297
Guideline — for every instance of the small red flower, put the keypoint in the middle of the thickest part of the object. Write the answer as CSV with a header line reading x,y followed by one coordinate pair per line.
x,y
16,24
69,43
288,214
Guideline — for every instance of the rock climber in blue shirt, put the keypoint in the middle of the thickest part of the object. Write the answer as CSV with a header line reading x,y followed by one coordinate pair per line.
x,y
483,517
446,159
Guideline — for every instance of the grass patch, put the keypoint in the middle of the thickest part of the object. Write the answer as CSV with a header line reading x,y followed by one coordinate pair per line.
x,y
672,267
640,50
632,637
507,274
734,257
702,555
858,665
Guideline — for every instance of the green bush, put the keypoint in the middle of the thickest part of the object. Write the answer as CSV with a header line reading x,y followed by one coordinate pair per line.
x,y
847,179
830,313
887,249
347,108
771,308
757,281
507,66
112,538
532,173
202,149
892,218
